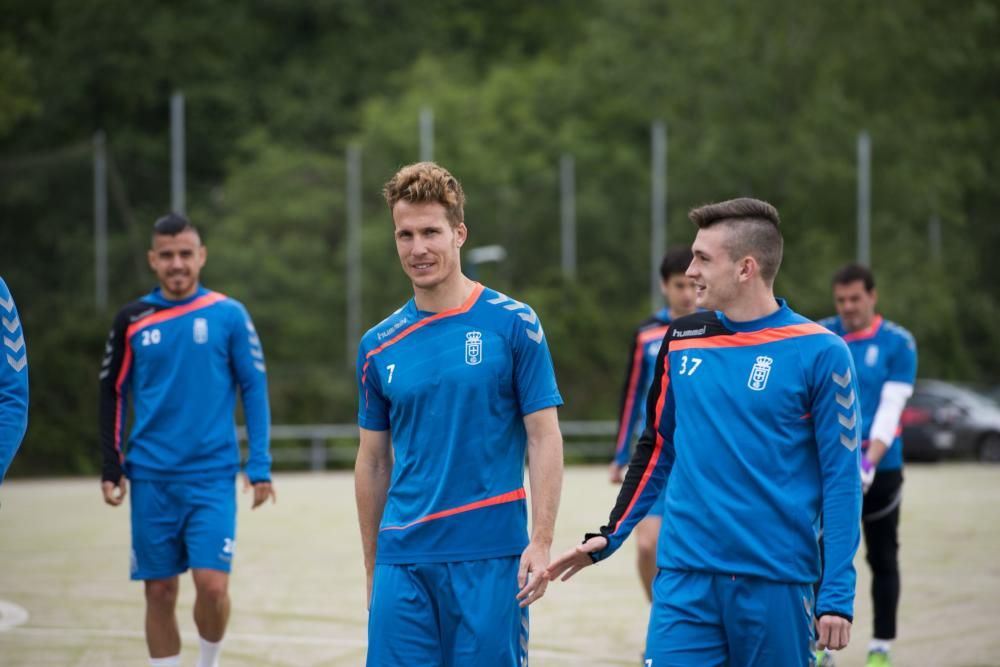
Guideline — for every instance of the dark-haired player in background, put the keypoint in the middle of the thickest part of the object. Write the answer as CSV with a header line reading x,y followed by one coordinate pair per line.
x,y
182,352
752,428
885,356
678,292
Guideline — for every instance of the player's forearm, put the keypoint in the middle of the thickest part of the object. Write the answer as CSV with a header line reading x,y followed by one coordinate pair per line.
x,y
545,473
371,487
876,450
257,411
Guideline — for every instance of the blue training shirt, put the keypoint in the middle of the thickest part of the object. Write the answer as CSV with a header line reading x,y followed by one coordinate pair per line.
x,y
754,429
182,362
453,389
642,358
13,381
883,352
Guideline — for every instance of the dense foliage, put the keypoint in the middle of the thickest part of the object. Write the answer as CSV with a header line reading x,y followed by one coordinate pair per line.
x,y
762,98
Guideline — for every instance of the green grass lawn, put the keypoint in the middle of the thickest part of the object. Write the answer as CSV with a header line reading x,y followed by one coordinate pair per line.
x,y
298,584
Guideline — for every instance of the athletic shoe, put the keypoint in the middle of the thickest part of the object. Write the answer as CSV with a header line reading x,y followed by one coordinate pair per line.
x,y
878,659
824,659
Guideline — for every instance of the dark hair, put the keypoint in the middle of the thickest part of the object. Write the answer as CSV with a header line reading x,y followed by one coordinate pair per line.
x,y
677,260
424,182
854,272
753,224
173,224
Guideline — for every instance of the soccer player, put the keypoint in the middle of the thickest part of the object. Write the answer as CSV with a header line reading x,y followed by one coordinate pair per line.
x,y
13,381
454,387
885,355
753,428
183,351
678,291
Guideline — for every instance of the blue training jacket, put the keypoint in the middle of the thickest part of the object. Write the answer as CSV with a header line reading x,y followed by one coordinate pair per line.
x,y
13,381
182,362
753,427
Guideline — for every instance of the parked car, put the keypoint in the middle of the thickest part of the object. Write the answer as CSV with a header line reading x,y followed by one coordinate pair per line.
x,y
947,420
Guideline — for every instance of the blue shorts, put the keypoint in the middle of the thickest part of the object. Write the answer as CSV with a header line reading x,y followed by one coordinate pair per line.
x,y
714,620
447,614
181,525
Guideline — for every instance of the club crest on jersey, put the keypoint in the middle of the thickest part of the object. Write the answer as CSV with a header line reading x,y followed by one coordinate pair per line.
x,y
473,348
871,355
200,330
759,373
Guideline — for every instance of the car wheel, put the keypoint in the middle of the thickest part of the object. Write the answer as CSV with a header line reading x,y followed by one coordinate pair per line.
x,y
989,448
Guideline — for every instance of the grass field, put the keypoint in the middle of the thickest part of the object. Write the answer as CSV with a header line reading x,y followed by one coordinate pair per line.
x,y
298,585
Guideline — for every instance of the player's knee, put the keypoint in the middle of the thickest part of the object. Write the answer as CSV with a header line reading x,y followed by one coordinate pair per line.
x,y
162,593
212,590
646,546
884,562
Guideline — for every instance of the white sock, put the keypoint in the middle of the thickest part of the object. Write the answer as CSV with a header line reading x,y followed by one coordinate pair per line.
x,y
172,661
881,645
209,654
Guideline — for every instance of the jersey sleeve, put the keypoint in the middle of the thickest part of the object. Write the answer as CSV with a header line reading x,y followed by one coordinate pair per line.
x,y
651,463
247,358
837,425
630,403
534,375
373,408
13,381
115,376
903,364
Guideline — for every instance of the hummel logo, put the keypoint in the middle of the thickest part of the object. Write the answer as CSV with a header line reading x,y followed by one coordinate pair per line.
x,y
843,380
17,364
8,304
535,335
528,317
145,313
848,423
11,325
850,443
14,345
845,401
686,333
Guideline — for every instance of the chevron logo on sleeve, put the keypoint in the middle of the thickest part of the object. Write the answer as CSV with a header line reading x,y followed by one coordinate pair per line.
x,y
849,418
534,328
13,337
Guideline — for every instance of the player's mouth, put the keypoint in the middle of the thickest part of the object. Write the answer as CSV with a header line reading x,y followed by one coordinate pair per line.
x,y
423,266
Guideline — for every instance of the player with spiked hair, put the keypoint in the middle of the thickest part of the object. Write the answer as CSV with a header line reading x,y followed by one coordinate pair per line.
x,y
753,430
454,389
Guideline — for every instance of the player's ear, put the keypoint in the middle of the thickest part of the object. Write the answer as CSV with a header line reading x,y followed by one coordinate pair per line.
x,y
151,259
461,233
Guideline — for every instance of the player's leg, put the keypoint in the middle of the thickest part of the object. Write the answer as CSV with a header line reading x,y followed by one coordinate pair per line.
x,y
685,625
402,621
210,540
480,620
647,534
880,523
767,623
157,558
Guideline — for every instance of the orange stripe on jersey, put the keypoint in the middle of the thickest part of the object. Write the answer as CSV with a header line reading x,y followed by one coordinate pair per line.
x,y
867,332
641,339
174,312
149,320
657,448
465,307
745,339
510,497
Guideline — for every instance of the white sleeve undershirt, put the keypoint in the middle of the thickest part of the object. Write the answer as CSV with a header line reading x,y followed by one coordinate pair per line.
x,y
890,409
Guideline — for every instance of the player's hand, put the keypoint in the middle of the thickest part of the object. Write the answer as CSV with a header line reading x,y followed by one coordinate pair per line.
x,y
575,559
114,494
867,474
261,492
833,632
616,473
531,575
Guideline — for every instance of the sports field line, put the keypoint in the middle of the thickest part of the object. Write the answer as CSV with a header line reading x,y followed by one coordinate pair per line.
x,y
64,632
